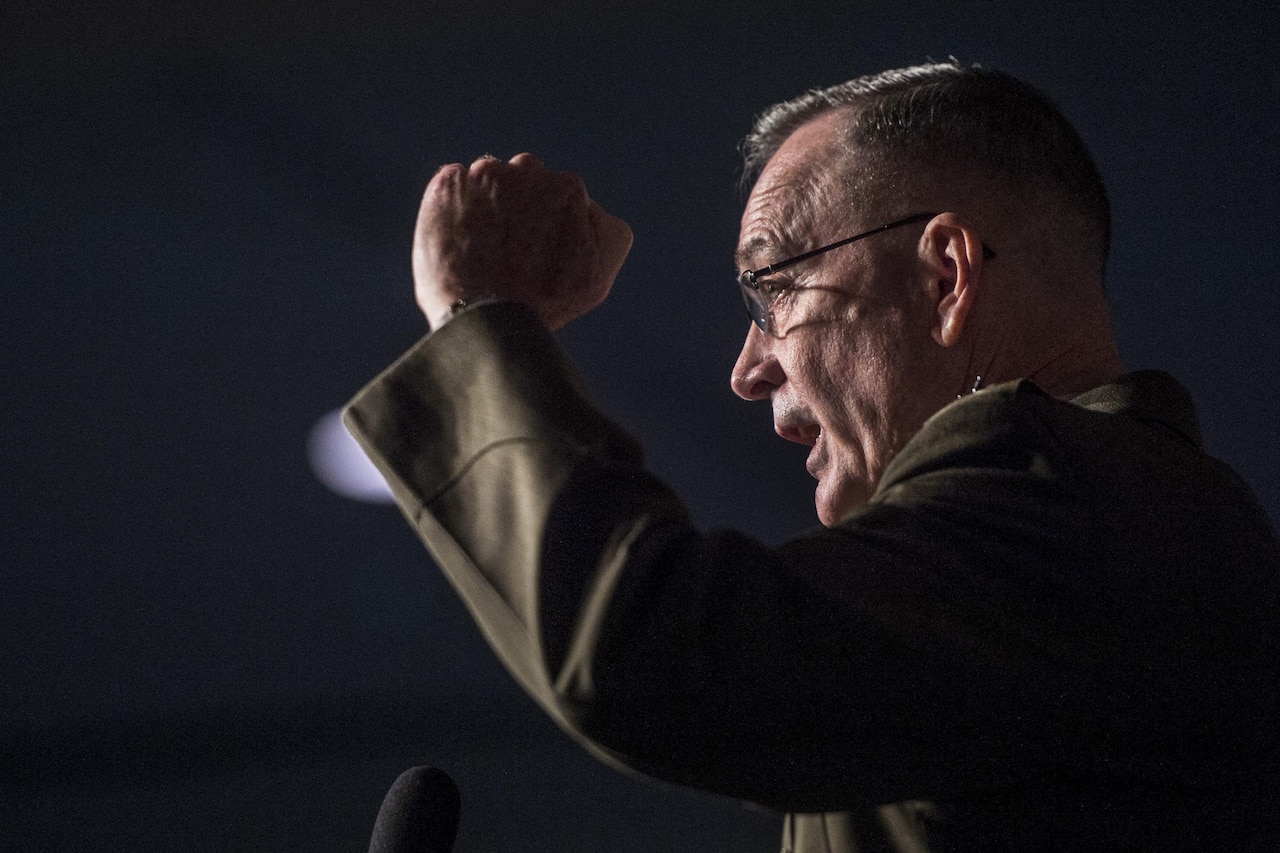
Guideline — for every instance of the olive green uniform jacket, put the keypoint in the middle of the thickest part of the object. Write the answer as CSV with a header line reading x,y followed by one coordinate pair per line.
x,y
1053,627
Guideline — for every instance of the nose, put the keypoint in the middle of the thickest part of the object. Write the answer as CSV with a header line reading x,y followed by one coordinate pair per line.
x,y
757,372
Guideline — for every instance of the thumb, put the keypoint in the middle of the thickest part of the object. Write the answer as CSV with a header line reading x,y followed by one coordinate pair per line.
x,y
613,240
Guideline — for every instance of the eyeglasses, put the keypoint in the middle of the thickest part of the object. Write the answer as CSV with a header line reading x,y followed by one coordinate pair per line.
x,y
759,297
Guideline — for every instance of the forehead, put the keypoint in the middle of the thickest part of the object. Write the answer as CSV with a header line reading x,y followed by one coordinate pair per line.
x,y
797,192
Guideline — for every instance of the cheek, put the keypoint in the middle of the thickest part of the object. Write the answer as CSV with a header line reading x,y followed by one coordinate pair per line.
x,y
843,385
863,389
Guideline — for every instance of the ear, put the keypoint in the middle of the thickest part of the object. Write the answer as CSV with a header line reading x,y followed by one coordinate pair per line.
x,y
953,256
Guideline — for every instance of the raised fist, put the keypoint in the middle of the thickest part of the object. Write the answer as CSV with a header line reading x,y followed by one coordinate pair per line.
x,y
518,231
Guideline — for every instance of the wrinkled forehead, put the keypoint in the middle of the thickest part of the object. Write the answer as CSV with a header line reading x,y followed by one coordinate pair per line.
x,y
801,194
779,220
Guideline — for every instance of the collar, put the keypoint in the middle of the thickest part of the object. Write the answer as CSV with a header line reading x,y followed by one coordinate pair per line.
x,y
1150,396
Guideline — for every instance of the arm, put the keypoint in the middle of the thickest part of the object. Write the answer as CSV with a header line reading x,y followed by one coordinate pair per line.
x,y
846,668
825,674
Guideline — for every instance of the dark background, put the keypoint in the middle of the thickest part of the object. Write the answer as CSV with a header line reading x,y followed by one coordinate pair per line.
x,y
205,220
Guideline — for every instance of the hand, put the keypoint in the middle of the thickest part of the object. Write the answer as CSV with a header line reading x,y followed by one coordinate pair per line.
x,y
518,231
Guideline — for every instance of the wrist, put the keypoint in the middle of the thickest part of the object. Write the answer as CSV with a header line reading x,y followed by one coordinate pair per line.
x,y
460,305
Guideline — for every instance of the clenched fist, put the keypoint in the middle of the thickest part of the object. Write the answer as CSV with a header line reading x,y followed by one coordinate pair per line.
x,y
518,231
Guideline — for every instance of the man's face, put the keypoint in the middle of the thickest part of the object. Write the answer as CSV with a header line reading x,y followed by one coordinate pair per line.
x,y
848,362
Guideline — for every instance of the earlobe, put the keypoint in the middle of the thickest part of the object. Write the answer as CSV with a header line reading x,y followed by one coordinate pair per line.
x,y
953,310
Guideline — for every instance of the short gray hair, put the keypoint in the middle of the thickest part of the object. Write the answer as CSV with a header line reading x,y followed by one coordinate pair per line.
x,y
950,115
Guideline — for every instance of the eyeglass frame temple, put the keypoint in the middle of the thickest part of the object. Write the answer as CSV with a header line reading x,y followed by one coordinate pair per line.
x,y
750,276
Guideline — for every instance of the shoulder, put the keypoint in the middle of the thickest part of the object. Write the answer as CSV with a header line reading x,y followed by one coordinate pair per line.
x,y
1018,427
1008,428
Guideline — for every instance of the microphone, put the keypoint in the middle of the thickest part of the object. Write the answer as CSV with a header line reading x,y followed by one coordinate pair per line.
x,y
418,815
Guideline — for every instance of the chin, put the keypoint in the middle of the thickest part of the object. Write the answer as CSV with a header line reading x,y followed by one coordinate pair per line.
x,y
834,505
830,518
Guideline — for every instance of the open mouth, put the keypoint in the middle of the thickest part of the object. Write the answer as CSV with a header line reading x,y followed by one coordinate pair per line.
x,y
816,457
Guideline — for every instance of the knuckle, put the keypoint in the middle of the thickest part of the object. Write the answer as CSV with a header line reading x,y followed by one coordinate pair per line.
x,y
449,171
487,165
575,188
446,176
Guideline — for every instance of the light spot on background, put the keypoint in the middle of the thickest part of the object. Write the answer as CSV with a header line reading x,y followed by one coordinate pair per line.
x,y
339,463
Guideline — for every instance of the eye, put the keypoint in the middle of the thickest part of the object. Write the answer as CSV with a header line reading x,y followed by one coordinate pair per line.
x,y
783,289
775,285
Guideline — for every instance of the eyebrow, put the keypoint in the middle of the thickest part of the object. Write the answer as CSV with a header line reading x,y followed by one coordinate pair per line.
x,y
754,247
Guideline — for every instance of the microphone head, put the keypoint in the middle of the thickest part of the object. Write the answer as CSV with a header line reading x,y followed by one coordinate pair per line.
x,y
418,815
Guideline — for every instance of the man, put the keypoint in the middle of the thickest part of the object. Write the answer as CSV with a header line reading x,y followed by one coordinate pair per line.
x,y
1040,617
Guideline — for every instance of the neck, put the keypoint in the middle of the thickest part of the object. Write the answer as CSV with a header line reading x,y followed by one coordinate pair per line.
x,y
1070,375
1065,369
